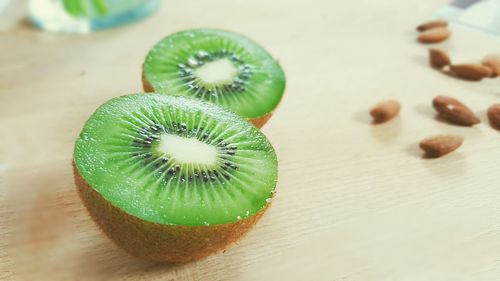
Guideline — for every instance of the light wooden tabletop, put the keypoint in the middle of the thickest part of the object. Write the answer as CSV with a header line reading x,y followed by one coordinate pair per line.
x,y
354,202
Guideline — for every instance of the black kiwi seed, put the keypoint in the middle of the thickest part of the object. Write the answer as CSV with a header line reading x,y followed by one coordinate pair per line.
x,y
141,142
143,134
156,127
227,88
185,73
142,155
202,55
225,157
193,62
204,176
157,164
245,75
214,175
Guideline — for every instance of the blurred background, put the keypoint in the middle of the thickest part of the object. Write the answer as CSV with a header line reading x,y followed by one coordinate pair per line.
x,y
354,202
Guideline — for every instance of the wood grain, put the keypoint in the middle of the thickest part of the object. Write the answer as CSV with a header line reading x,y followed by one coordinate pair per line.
x,y
354,202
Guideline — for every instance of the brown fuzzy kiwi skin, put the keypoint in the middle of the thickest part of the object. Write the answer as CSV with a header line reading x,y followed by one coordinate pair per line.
x,y
257,122
159,242
146,86
261,121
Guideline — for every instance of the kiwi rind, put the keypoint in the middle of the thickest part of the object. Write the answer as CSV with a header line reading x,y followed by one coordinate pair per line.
x,y
258,118
261,121
159,242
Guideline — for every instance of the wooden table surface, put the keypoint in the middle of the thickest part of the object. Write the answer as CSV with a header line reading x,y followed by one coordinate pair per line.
x,y
354,201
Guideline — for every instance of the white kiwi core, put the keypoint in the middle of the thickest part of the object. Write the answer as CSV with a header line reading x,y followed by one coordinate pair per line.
x,y
188,150
221,71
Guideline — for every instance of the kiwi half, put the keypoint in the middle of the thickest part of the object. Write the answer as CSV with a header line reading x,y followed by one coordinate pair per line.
x,y
217,66
173,178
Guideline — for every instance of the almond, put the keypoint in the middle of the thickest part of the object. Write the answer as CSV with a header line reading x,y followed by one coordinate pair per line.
x,y
493,62
438,58
454,111
432,24
438,146
471,71
494,116
385,111
434,35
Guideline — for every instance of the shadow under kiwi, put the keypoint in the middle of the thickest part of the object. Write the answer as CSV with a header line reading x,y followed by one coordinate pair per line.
x,y
106,261
52,232
47,214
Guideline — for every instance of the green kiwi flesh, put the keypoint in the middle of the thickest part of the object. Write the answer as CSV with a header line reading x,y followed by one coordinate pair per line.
x,y
172,178
218,66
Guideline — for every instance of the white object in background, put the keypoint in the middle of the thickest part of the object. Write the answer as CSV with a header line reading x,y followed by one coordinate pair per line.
x,y
50,15
83,16
481,15
484,15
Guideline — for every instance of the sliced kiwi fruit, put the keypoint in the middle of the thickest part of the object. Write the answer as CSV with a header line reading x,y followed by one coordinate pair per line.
x,y
173,178
217,66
